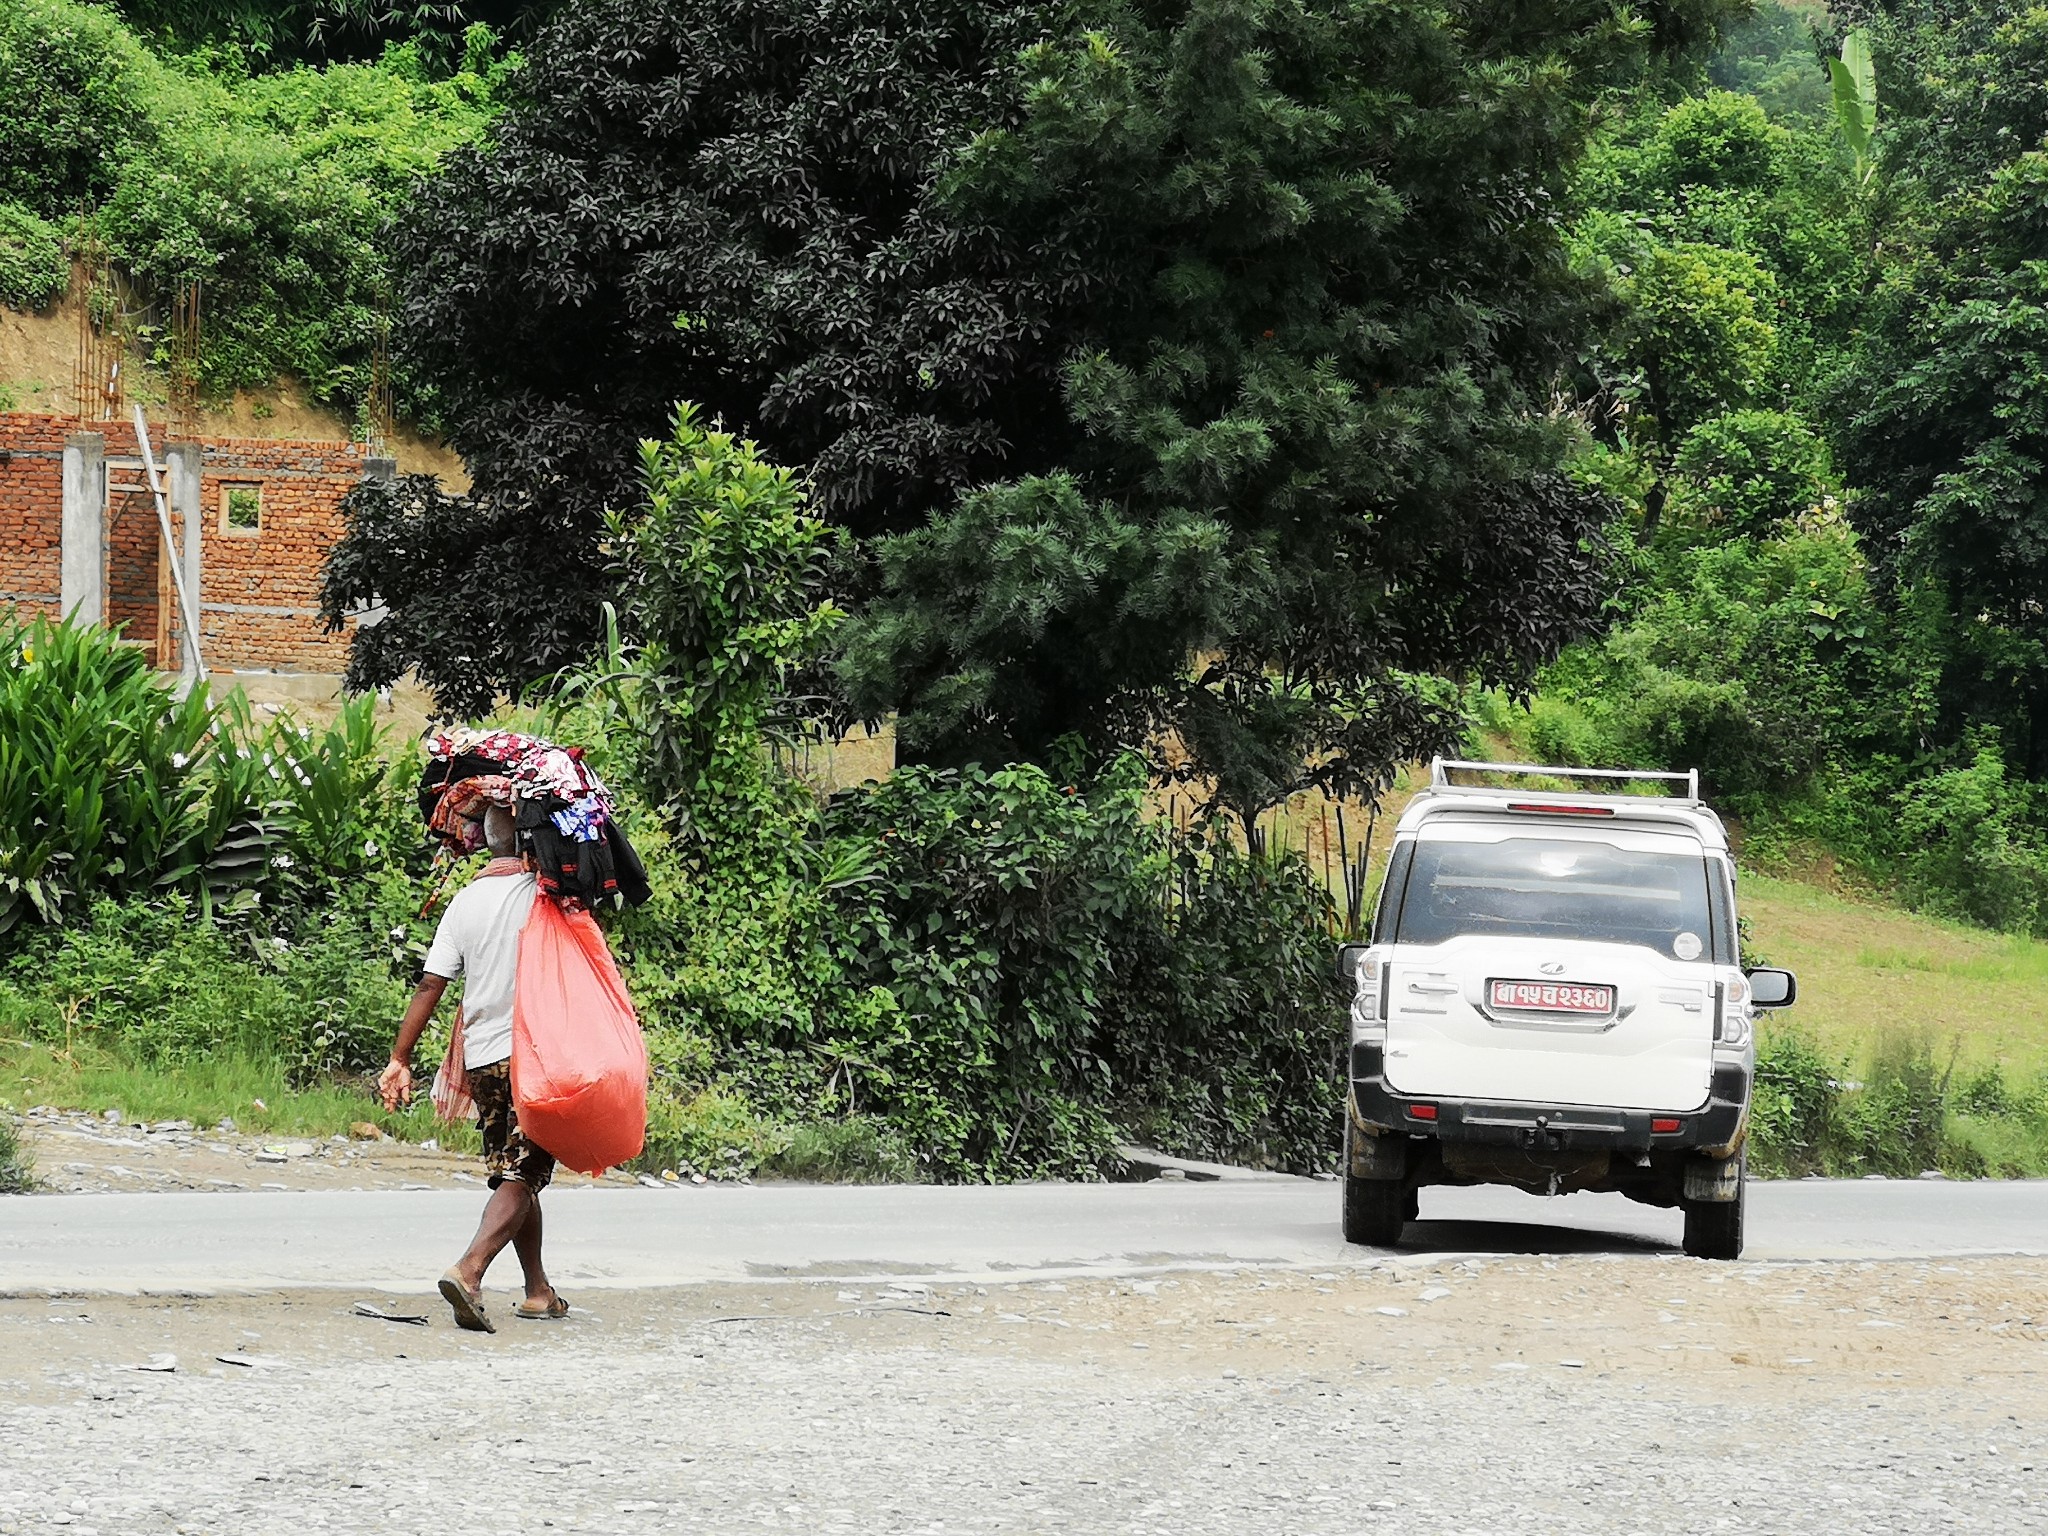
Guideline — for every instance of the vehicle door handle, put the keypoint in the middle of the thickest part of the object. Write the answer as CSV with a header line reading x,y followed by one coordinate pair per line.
x,y
1432,986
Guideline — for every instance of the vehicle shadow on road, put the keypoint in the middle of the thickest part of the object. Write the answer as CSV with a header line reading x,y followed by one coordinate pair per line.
x,y
1523,1237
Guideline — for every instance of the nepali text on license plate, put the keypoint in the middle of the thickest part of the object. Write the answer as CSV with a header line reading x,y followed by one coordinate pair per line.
x,y
1553,996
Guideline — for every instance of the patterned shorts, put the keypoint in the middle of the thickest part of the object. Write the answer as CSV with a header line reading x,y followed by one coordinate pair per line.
x,y
507,1152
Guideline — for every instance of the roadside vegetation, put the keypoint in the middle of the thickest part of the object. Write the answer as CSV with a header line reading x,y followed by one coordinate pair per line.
x,y
1230,401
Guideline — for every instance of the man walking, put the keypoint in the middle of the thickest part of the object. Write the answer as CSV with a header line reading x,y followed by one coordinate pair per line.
x,y
478,940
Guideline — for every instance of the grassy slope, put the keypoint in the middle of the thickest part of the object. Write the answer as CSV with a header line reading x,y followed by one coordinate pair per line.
x,y
1865,970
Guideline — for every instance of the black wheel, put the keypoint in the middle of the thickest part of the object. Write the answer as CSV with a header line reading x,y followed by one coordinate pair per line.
x,y
1375,1210
1713,1228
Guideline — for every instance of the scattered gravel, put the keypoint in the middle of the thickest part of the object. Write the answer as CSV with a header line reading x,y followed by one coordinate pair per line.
x,y
1640,1395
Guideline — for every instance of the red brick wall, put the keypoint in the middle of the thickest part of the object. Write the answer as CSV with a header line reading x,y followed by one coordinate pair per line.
x,y
259,594
133,543
31,511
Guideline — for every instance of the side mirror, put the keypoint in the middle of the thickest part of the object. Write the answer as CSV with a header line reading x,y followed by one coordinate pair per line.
x,y
1773,989
1348,958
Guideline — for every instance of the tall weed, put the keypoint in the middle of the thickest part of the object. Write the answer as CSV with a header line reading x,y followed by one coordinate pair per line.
x,y
1906,1114
17,1171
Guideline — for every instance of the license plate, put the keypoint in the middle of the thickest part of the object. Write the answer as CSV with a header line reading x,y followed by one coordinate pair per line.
x,y
1552,997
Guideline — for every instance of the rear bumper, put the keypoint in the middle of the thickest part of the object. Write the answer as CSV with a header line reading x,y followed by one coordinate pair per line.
x,y
1715,1130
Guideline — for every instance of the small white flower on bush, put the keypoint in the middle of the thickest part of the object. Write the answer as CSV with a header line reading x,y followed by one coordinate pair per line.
x,y
370,849
281,943
282,861
179,760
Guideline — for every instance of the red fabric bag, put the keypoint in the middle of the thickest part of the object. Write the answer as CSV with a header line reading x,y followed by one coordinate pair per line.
x,y
579,1065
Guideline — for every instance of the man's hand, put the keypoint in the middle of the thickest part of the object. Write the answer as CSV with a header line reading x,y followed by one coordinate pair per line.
x,y
394,1084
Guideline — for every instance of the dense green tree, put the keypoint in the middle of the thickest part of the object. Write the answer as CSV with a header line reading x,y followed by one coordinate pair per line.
x,y
1736,250
1944,418
1774,56
1257,306
1311,390
732,203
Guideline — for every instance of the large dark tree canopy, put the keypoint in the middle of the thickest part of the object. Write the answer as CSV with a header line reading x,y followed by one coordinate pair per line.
x,y
724,201
1184,368
1325,305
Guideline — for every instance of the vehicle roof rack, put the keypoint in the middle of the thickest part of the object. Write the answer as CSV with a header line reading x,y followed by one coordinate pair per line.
x,y
1441,769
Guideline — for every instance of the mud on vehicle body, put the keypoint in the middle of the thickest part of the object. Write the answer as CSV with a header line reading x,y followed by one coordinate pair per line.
x,y
1553,999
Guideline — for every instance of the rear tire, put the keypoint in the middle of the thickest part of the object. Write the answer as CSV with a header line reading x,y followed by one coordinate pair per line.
x,y
1713,1228
1375,1210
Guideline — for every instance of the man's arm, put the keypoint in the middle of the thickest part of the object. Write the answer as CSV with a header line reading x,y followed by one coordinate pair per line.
x,y
394,1083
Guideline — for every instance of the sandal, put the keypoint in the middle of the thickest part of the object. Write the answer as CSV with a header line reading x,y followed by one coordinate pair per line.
x,y
467,1305
555,1309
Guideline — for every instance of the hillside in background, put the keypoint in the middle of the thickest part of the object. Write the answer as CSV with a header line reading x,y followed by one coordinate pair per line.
x,y
38,356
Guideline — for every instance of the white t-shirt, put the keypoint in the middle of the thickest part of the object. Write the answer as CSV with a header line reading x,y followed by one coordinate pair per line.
x,y
478,940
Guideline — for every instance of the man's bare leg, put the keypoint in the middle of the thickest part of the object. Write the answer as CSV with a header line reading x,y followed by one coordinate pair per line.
x,y
526,1243
504,1216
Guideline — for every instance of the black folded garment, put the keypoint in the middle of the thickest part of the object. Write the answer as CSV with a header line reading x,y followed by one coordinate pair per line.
x,y
607,869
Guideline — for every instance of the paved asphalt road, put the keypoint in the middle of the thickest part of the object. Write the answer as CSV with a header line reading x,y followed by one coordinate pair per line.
x,y
653,1237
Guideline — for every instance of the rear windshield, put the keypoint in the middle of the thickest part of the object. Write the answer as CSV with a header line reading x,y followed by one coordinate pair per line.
x,y
1534,887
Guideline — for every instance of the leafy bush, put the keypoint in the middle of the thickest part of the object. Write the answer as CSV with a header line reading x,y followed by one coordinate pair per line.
x,y
1792,1111
148,979
272,189
1905,1116
1973,845
33,267
112,785
1751,472
75,91
978,974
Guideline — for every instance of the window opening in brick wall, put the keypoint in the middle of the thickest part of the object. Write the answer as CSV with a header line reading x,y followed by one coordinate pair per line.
x,y
241,509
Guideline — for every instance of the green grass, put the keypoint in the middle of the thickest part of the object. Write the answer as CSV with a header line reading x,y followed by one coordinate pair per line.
x,y
225,1086
1867,971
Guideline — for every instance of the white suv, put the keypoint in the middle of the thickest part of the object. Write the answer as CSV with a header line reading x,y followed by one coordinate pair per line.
x,y
1553,998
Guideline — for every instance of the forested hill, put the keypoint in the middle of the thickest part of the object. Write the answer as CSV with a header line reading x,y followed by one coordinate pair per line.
x,y
1300,383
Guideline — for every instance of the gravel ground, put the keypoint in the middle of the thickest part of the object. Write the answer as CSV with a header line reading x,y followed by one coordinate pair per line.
x,y
1599,1394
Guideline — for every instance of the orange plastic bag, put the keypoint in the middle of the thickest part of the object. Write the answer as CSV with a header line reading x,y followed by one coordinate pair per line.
x,y
579,1065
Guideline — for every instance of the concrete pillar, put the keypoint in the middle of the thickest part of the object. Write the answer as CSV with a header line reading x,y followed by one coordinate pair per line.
x,y
83,588
379,470
181,466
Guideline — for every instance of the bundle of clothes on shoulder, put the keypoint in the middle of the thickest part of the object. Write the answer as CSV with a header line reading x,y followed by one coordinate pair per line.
x,y
564,813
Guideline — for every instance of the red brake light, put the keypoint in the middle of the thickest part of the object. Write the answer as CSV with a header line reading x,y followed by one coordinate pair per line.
x,y
1421,1111
1561,810
1664,1127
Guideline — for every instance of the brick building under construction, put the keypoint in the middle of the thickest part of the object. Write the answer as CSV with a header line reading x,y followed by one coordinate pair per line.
x,y
251,519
